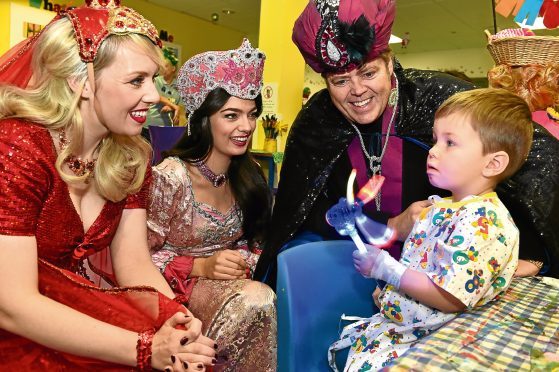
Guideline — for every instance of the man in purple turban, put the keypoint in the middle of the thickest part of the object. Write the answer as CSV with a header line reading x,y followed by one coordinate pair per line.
x,y
377,117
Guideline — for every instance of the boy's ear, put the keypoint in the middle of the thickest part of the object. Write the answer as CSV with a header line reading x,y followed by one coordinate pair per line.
x,y
82,88
497,163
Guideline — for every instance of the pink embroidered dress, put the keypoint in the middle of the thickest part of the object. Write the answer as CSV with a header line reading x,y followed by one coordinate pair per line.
x,y
239,314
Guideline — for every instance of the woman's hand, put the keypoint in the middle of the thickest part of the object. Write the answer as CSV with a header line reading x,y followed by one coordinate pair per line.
x,y
171,347
195,358
403,223
526,268
227,264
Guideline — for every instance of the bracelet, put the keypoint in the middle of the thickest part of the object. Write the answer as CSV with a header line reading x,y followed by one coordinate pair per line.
x,y
538,264
143,349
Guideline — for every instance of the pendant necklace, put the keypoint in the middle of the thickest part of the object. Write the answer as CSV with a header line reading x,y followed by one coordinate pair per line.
x,y
375,162
78,166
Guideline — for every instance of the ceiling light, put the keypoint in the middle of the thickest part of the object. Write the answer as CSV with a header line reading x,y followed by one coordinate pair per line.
x,y
228,11
394,39
538,24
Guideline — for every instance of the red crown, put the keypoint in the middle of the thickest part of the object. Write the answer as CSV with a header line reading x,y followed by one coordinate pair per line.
x,y
99,4
100,18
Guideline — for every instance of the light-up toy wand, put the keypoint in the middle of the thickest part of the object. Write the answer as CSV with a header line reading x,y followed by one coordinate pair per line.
x,y
347,215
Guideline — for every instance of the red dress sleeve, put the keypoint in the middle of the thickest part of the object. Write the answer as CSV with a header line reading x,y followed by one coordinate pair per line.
x,y
25,164
176,273
140,199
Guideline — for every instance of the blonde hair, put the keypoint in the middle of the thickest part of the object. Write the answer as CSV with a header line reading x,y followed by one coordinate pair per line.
x,y
502,119
48,100
387,55
538,85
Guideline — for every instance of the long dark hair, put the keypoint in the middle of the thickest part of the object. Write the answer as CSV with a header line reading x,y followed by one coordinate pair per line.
x,y
247,180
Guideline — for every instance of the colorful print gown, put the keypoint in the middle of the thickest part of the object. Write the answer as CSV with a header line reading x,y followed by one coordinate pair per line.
x,y
468,248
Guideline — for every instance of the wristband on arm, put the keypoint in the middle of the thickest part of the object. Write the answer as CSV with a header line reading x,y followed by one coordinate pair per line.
x,y
143,349
386,268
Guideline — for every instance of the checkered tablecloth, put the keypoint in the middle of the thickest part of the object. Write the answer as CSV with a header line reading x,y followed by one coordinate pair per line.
x,y
500,336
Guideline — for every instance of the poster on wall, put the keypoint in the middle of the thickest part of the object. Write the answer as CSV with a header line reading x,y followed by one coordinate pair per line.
x,y
31,29
270,99
269,107
26,21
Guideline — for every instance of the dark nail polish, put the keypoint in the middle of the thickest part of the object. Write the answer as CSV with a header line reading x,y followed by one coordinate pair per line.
x,y
173,359
200,366
184,340
215,346
185,365
214,361
167,369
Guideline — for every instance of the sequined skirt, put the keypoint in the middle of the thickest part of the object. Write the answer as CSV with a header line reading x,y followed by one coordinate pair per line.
x,y
241,316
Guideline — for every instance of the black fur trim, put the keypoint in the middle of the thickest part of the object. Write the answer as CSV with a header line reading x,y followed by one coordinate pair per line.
x,y
358,37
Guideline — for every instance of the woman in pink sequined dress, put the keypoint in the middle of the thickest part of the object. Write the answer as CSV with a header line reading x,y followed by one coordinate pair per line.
x,y
210,206
74,183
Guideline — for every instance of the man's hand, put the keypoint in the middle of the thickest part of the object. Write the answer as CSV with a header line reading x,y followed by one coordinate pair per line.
x,y
526,268
403,223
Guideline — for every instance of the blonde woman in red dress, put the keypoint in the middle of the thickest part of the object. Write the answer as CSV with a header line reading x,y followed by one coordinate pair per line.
x,y
74,183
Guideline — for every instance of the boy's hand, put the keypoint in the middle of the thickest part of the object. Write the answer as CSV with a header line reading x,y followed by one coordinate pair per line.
x,y
378,264
366,263
376,294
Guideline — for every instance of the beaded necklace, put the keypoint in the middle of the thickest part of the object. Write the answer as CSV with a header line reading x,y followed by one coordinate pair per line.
x,y
78,166
216,180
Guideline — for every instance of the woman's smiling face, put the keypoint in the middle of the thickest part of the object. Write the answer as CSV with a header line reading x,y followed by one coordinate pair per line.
x,y
232,126
125,91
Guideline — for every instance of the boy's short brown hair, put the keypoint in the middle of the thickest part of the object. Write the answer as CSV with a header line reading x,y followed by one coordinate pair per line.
x,y
502,119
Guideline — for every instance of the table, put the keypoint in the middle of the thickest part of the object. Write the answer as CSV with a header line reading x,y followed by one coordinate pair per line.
x,y
504,335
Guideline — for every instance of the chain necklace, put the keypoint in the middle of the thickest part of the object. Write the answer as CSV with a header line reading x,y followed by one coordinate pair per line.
x,y
375,162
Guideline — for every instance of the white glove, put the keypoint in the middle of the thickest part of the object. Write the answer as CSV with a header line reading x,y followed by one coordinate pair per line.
x,y
378,264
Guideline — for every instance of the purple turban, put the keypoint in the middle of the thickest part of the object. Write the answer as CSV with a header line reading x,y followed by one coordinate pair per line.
x,y
340,35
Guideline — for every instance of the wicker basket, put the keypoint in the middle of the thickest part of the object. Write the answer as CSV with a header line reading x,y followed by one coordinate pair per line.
x,y
524,50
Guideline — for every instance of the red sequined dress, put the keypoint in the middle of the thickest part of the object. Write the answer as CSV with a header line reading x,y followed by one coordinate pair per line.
x,y
35,202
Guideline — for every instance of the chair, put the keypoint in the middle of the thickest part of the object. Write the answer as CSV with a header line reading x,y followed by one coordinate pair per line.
x,y
164,138
317,283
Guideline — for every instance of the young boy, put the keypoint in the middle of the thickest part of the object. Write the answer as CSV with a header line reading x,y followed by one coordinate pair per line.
x,y
463,250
